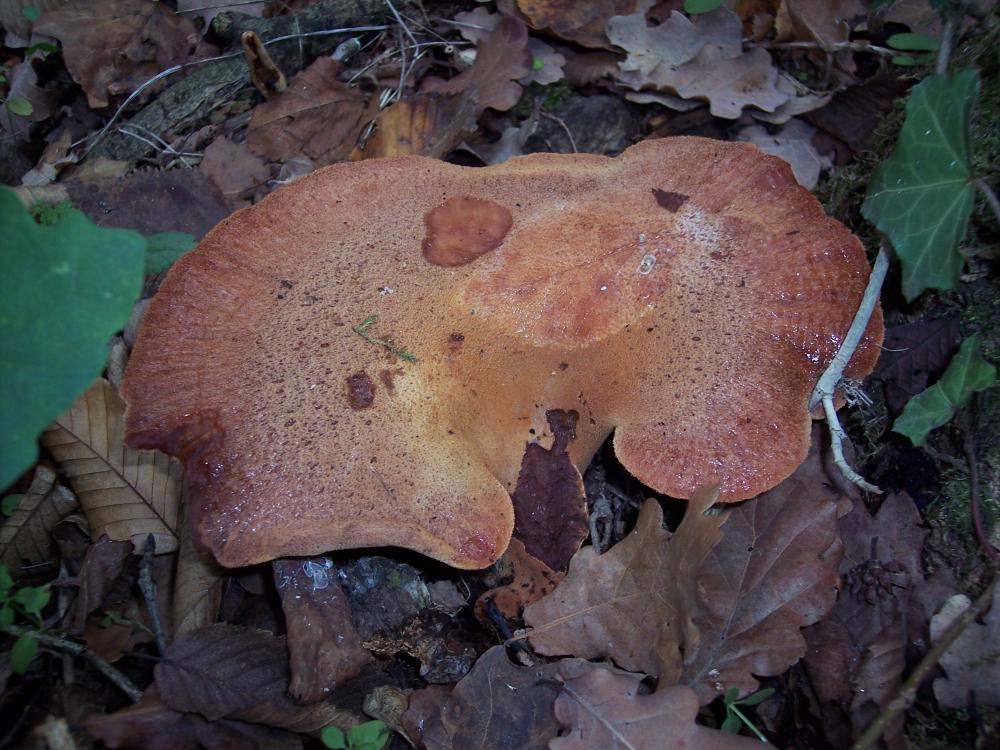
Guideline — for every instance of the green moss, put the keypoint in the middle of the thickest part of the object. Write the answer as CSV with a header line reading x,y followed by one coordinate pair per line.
x,y
550,96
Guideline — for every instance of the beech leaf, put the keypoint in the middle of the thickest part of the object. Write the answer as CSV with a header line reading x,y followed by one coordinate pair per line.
x,y
126,494
972,662
922,195
967,374
26,537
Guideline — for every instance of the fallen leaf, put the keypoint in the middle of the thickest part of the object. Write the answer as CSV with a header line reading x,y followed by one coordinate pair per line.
x,y
383,593
111,47
151,725
126,494
856,655
550,505
13,19
801,100
152,201
500,705
102,564
54,159
773,573
234,169
324,646
853,114
972,662
316,115
224,671
583,23
604,709
25,537
546,64
912,355
793,143
511,143
676,41
727,84
197,593
433,122
22,81
477,24
532,579
634,603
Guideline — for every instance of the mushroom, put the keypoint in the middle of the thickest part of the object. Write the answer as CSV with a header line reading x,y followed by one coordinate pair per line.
x,y
360,359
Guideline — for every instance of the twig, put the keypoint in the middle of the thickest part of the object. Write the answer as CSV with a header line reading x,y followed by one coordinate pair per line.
x,y
830,48
78,649
148,588
944,51
975,498
362,331
828,382
565,127
991,197
908,690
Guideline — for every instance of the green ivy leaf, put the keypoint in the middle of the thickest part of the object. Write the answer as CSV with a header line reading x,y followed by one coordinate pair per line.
x,y
371,735
20,106
967,373
6,582
922,195
914,41
45,47
31,12
64,290
333,738
166,247
24,650
694,7
9,504
6,616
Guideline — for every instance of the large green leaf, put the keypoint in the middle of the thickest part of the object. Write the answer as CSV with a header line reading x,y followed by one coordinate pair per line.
x,y
64,290
922,195
967,373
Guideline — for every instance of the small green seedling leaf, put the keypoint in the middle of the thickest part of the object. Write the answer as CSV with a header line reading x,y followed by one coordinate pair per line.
x,y
333,738
731,723
967,373
45,47
31,12
166,247
32,599
64,290
371,735
6,582
9,504
735,717
922,195
6,616
694,7
24,650
20,106
754,698
914,42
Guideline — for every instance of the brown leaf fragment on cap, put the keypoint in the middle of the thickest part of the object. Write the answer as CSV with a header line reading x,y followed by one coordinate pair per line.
x,y
532,579
264,74
695,336
324,648
462,229
550,504
670,201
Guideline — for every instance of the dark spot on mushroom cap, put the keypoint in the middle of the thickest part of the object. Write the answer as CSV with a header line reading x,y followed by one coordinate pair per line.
x,y
462,229
360,390
670,201
388,377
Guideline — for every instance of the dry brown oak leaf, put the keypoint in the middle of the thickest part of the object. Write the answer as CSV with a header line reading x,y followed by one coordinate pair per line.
x,y
720,600
685,296
604,709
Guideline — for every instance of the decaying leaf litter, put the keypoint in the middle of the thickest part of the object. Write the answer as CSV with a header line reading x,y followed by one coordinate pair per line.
x,y
799,615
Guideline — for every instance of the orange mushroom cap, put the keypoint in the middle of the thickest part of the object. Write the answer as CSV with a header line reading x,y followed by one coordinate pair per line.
x,y
685,295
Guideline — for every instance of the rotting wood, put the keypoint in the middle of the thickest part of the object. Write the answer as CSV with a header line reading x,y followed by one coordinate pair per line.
x,y
189,101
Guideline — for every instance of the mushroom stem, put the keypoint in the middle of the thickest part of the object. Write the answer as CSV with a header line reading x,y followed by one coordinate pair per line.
x,y
832,376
